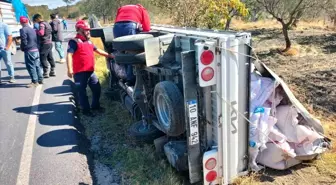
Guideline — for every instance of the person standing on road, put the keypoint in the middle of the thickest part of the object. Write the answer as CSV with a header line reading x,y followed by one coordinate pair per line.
x,y
45,46
131,20
57,36
5,53
65,27
31,52
80,64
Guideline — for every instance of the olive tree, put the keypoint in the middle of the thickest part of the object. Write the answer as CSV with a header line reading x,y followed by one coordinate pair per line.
x,y
331,10
205,13
68,2
219,13
287,11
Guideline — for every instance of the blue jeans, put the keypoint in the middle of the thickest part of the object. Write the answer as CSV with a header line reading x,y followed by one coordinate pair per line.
x,y
91,79
122,29
59,49
33,65
7,57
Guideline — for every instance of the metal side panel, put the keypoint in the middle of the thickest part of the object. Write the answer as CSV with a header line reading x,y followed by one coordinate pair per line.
x,y
108,34
235,99
214,114
156,48
191,115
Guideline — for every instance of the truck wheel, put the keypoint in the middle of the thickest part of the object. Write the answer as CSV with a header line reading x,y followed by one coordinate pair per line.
x,y
169,108
121,58
143,133
131,42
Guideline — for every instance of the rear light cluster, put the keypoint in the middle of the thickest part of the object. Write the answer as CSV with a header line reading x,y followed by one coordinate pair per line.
x,y
210,167
208,73
206,59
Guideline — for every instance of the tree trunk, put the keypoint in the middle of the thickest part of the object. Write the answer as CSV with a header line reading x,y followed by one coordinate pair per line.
x,y
285,33
254,15
227,24
295,23
104,19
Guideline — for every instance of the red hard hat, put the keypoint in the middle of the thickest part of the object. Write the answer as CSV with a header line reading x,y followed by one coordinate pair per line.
x,y
24,19
83,25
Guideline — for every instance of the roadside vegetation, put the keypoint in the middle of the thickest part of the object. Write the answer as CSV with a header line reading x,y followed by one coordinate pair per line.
x,y
297,41
310,74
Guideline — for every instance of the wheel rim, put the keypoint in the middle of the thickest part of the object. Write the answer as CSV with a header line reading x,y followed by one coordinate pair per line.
x,y
163,110
143,128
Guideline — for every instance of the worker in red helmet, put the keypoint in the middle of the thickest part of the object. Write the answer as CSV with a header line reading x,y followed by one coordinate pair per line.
x,y
131,20
80,64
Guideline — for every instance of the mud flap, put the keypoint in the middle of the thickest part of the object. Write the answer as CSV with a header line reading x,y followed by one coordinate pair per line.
x,y
191,116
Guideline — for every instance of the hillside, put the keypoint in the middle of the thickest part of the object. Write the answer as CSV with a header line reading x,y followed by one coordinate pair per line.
x,y
44,10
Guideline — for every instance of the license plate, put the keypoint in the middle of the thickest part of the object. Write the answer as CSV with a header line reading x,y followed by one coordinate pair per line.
x,y
193,120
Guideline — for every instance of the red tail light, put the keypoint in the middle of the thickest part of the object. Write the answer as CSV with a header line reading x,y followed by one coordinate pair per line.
x,y
210,164
211,176
207,74
207,57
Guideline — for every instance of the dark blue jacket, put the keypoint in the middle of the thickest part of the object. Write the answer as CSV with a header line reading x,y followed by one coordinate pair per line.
x,y
28,38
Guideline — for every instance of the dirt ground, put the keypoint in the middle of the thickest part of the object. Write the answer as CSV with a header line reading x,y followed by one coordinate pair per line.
x,y
311,75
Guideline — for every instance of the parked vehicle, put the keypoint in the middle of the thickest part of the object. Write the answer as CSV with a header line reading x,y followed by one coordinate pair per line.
x,y
193,88
10,12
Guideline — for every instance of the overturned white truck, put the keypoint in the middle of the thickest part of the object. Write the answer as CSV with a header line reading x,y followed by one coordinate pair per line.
x,y
200,90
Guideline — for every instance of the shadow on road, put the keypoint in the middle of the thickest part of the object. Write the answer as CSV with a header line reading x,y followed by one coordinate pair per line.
x,y
62,114
17,68
6,85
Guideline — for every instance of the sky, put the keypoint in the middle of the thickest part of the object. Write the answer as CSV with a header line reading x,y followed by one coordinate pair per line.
x,y
51,3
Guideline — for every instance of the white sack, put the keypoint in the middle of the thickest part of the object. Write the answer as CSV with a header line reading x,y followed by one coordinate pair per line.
x,y
276,135
254,143
278,157
287,122
261,89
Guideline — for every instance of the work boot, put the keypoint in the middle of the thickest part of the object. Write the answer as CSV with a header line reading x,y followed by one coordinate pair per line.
x,y
52,72
45,73
12,80
62,61
32,85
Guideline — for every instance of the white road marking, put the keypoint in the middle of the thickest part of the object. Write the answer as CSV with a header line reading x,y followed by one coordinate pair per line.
x,y
27,152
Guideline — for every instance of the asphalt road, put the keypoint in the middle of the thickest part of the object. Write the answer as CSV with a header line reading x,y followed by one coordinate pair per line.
x,y
41,144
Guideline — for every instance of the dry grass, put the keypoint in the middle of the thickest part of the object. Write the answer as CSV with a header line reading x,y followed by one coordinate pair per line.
x,y
273,24
139,165
136,165
263,24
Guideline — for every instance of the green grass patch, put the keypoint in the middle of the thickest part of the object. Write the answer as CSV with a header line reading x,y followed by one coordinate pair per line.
x,y
112,146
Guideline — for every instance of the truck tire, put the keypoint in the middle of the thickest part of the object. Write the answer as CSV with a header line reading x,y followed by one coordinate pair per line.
x,y
142,134
121,58
131,42
169,108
